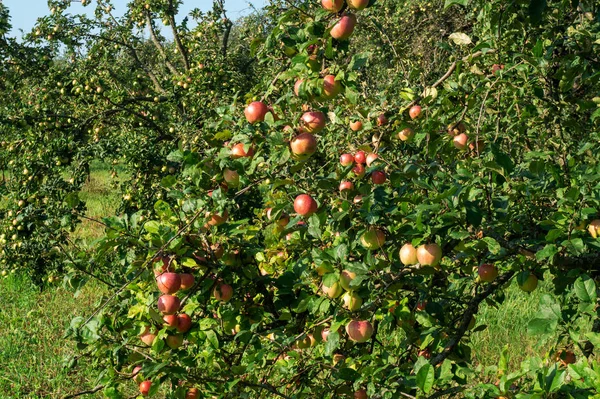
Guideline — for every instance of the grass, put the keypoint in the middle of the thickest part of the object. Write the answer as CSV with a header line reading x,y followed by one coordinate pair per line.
x,y
32,323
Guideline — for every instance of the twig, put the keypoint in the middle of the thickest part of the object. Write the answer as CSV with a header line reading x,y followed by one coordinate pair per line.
x,y
89,391
159,46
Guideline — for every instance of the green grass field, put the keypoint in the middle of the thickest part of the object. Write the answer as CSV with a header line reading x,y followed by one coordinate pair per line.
x,y
32,323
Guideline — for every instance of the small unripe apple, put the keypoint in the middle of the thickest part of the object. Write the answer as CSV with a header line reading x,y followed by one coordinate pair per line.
x,y
346,159
373,238
408,255
256,111
406,134
429,254
487,272
460,141
352,301
530,283
414,112
344,28
223,292
359,331
305,205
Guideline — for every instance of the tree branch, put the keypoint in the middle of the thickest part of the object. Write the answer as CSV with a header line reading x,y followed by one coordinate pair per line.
x,y
178,43
159,46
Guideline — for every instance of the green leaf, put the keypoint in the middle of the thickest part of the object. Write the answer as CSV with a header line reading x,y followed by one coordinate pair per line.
x,y
426,377
463,3
333,341
541,326
460,38
536,9
211,337
169,181
492,244
585,289
547,252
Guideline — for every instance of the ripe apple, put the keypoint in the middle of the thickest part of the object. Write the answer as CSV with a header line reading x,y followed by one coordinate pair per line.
x,y
566,357
347,159
303,146
361,393
406,134
478,147
334,291
421,305
147,337
408,255
304,205
382,120
184,323
378,177
223,292
357,199
454,129
168,304
174,341
343,29
332,5
324,334
357,4
238,151
360,157
359,170
371,158
297,87
168,283
594,228
145,387
135,374
192,393
171,320
231,177
356,126
352,301
487,272
346,186
496,68
346,278
460,141
372,238
216,219
256,111
312,121
530,283
331,87
187,281
414,112
359,331
429,254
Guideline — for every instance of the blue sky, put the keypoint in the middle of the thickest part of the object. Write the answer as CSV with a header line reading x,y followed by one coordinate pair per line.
x,y
24,13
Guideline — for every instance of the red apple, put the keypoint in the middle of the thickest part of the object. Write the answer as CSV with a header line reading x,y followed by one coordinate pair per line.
x,y
135,374
429,254
343,29
174,341
303,146
421,305
331,87
297,87
332,5
171,320
184,323
487,272
360,157
371,158
145,387
238,151
372,239
223,292
496,68
382,120
359,331
406,134
256,111
216,219
357,4
359,170
347,159
187,281
346,186
168,304
304,205
168,283
313,121
356,126
147,336
361,393
192,393
378,177
460,141
414,112
408,255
